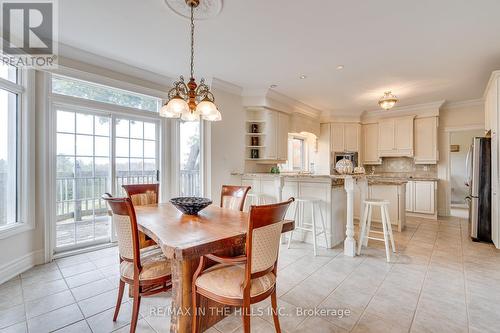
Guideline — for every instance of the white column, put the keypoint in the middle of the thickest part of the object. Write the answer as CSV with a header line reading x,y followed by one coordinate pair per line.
x,y
350,242
363,188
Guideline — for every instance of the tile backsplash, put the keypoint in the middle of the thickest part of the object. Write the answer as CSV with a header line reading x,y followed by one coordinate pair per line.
x,y
403,165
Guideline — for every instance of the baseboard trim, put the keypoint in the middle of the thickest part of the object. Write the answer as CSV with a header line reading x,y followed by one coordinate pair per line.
x,y
20,265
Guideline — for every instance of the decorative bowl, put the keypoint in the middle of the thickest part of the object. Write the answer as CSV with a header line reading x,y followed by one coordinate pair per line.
x,y
344,166
359,170
190,205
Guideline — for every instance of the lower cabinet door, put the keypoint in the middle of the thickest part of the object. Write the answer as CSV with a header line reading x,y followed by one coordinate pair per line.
x,y
424,201
386,192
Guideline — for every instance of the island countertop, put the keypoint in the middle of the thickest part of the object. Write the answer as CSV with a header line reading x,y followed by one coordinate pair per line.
x,y
337,180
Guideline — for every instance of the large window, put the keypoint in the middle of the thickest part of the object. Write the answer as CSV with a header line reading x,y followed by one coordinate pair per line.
x,y
190,157
9,146
99,149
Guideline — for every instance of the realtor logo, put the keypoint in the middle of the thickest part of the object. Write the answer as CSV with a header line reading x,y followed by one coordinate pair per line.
x,y
29,33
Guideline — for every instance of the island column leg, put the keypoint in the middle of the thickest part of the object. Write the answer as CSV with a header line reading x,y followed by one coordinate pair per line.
x,y
363,187
350,242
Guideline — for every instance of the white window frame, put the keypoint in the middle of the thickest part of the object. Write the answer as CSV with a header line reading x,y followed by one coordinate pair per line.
x,y
305,153
26,153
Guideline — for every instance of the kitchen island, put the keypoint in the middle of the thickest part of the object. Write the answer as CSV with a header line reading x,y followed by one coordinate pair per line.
x,y
336,192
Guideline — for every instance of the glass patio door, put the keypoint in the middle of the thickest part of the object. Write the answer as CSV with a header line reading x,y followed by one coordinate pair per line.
x,y
83,175
97,154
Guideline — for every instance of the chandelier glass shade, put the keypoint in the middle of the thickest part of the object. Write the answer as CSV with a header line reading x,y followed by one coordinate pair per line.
x,y
387,101
191,101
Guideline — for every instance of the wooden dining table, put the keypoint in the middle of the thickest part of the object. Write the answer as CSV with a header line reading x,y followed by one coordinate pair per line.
x,y
184,239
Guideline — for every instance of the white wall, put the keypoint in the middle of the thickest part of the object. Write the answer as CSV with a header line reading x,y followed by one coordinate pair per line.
x,y
227,142
462,116
457,163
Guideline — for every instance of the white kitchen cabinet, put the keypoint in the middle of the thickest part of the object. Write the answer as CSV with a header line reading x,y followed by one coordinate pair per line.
x,y
409,196
276,130
424,201
426,133
421,198
396,136
395,194
344,137
492,109
337,137
370,144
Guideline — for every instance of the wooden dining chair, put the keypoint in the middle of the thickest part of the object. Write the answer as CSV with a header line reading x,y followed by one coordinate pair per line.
x,y
233,197
247,279
140,195
146,270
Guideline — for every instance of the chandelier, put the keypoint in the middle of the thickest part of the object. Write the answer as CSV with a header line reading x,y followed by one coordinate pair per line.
x,y
387,101
191,101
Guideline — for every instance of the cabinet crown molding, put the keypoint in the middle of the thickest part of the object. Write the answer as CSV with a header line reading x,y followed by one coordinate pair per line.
x,y
417,110
495,75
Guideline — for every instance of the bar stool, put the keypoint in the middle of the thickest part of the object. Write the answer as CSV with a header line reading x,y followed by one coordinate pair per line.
x,y
366,222
314,203
255,198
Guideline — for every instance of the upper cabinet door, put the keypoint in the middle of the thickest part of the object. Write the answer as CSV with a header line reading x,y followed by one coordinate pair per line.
x,y
426,140
370,144
351,137
404,136
270,139
337,137
386,136
283,129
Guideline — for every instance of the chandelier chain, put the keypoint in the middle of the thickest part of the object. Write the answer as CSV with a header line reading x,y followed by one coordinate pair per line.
x,y
192,41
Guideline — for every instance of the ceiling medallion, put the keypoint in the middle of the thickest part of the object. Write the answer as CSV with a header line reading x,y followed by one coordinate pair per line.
x,y
206,10
191,101
387,101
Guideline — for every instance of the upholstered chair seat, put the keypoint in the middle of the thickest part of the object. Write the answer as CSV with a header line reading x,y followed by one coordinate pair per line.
x,y
227,280
154,265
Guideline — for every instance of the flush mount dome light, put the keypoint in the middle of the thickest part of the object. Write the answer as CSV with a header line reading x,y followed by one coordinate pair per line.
x,y
206,10
387,101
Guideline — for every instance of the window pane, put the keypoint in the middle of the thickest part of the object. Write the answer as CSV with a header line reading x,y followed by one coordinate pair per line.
x,y
65,121
149,149
122,128
87,90
8,73
84,124
136,148
135,166
84,167
102,126
101,168
190,159
136,129
65,166
297,154
149,131
84,145
101,146
8,158
122,147
65,144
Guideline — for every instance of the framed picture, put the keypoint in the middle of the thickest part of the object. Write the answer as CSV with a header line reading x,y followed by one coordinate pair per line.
x,y
454,148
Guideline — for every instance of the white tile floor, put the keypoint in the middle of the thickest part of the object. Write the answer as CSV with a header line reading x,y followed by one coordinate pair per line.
x,y
439,282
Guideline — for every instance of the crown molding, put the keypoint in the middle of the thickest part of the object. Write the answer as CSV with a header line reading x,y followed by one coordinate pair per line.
x,y
479,102
494,75
226,86
420,110
274,100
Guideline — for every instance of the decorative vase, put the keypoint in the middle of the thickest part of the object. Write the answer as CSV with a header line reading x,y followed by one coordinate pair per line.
x,y
359,170
344,166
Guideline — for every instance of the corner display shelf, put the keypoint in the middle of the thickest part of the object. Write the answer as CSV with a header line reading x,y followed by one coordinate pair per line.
x,y
255,141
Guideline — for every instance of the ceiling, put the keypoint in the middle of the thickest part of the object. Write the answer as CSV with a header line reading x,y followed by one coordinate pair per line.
x,y
422,50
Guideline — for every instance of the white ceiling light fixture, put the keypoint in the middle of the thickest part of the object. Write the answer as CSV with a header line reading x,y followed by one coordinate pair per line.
x,y
273,86
340,67
191,101
303,76
387,101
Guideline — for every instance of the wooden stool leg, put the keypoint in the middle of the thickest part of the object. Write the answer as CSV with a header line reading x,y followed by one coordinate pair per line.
x,y
369,225
323,223
290,234
389,227
313,221
384,227
362,231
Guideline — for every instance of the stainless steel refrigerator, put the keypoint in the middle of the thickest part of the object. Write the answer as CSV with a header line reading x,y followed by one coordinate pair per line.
x,y
478,166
